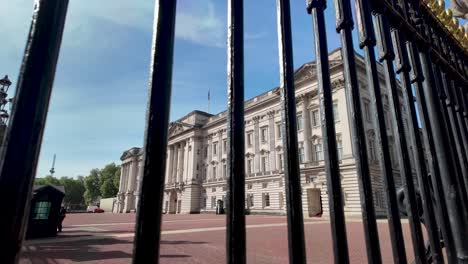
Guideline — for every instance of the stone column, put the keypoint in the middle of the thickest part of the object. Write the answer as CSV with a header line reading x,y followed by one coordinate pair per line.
x,y
121,194
306,127
139,183
220,154
187,160
130,196
121,184
256,144
169,164
174,163
272,130
181,163
132,175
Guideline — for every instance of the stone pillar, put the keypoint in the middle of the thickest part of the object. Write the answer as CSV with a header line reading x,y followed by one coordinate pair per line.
x,y
220,154
187,161
121,194
122,180
210,152
272,130
169,164
130,196
181,163
138,183
256,144
174,163
306,127
132,175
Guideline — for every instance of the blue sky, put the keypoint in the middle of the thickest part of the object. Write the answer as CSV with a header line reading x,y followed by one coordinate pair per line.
x,y
100,93
99,99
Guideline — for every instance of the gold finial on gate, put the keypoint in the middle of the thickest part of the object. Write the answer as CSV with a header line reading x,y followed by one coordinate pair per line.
x,y
446,18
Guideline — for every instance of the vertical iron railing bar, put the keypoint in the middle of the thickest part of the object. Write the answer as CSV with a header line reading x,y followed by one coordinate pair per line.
x,y
23,139
367,44
448,109
457,100
386,57
344,26
146,247
296,242
456,212
403,68
417,79
449,130
332,167
464,101
235,226
458,129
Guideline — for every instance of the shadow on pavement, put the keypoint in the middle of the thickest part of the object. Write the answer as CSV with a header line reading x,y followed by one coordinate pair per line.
x,y
88,250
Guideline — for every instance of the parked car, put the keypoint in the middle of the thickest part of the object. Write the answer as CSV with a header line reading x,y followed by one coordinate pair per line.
x,y
94,209
98,210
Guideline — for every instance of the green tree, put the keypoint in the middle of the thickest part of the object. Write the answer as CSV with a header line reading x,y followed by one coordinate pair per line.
x,y
47,180
74,191
108,181
92,186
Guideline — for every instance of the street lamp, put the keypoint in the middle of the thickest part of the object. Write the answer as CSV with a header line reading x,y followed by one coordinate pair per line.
x,y
4,85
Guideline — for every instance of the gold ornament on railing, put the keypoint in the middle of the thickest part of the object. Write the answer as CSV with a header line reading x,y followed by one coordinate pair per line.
x,y
446,18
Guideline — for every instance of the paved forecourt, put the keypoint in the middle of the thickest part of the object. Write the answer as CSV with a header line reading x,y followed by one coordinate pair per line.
x,y
108,238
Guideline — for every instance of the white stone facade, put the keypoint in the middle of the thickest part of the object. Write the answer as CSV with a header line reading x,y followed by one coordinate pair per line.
x,y
196,154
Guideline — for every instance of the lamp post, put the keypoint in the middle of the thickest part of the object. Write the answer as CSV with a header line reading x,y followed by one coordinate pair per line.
x,y
4,85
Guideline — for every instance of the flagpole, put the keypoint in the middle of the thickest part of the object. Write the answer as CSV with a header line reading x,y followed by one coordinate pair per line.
x,y
208,100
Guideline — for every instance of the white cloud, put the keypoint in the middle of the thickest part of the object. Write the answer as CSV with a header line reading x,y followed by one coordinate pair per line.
x,y
203,26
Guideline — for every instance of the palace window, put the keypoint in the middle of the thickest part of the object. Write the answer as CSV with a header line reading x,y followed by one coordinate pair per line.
x,y
214,173
250,200
301,155
367,111
250,167
372,150
318,152
206,151
315,118
336,113
224,170
204,203
264,133
249,139
224,146
249,186
215,148
264,185
281,161
266,199
299,122
278,131
339,146
264,164
213,189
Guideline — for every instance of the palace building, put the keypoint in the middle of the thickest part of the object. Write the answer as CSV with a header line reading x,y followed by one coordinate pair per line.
x,y
197,152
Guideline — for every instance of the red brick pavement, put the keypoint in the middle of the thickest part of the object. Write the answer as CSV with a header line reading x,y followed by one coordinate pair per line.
x,y
107,238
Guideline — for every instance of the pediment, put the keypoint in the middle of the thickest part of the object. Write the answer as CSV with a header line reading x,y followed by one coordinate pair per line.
x,y
178,127
304,73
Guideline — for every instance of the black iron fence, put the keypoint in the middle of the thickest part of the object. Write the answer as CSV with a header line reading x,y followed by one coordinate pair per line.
x,y
421,51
